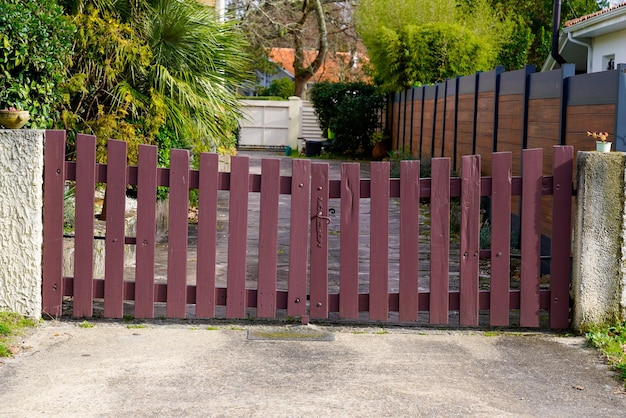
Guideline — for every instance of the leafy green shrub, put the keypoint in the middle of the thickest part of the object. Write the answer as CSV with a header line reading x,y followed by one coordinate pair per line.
x,y
351,113
36,42
611,340
429,54
283,88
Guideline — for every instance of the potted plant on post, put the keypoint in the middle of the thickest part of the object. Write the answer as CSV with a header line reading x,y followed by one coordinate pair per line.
x,y
13,118
602,145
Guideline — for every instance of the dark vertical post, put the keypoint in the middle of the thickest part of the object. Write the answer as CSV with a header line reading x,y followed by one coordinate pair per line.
x,y
530,69
404,119
475,116
412,117
496,98
567,70
443,117
456,116
422,121
399,118
620,110
434,125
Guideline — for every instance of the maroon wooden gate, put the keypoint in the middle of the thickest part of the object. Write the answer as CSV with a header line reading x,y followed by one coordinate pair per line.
x,y
406,244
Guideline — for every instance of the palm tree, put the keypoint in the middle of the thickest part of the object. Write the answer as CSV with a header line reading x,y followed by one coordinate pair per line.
x,y
194,65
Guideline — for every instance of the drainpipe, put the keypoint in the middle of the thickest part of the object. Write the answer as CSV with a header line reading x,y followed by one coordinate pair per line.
x,y
556,22
586,45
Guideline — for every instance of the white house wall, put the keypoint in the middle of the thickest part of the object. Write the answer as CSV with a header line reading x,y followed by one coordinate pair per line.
x,y
610,44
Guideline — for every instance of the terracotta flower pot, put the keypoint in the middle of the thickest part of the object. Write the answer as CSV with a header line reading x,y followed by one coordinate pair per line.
x,y
380,151
14,119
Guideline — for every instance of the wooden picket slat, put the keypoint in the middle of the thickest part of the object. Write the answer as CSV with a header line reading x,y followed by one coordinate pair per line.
x,y
470,232
237,237
409,240
560,266
319,241
146,239
207,236
349,241
115,229
500,239
268,238
439,240
84,221
379,242
298,247
177,234
532,160
53,201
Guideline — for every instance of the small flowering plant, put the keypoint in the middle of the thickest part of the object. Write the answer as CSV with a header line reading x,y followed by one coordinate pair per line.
x,y
599,136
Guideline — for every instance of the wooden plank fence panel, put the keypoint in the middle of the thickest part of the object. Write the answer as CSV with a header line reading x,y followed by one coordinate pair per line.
x,y
349,241
146,239
207,236
532,160
83,241
470,231
268,238
298,247
439,240
177,234
409,240
560,267
379,242
319,241
500,239
115,229
237,237
54,188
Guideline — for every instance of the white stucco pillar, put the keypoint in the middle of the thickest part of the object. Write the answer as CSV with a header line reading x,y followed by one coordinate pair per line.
x,y
599,263
21,226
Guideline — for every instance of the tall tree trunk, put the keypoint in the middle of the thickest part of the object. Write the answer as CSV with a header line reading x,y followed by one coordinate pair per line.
x,y
304,73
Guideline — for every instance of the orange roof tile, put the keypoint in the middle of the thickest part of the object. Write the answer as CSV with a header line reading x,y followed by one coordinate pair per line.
x,y
589,16
336,66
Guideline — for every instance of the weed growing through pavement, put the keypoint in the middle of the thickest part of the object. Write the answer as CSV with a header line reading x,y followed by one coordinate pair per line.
x,y
86,324
12,325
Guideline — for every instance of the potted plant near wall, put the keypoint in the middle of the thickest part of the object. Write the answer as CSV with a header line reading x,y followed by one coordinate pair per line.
x,y
602,145
379,144
13,118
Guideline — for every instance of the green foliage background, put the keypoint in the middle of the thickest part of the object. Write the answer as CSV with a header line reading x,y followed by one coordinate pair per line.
x,y
35,50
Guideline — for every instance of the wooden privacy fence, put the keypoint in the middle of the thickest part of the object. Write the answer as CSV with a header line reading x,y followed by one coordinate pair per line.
x,y
412,296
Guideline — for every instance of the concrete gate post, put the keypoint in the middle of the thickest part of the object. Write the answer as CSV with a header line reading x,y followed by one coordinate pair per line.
x,y
599,264
21,225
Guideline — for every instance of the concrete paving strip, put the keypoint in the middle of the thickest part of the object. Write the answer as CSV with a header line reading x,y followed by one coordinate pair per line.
x,y
212,369
291,333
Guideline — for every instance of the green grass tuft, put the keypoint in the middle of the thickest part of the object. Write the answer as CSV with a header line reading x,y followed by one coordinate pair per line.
x,y
611,340
12,325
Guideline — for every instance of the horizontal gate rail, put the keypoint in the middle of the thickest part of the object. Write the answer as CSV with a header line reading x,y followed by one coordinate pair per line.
x,y
405,298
